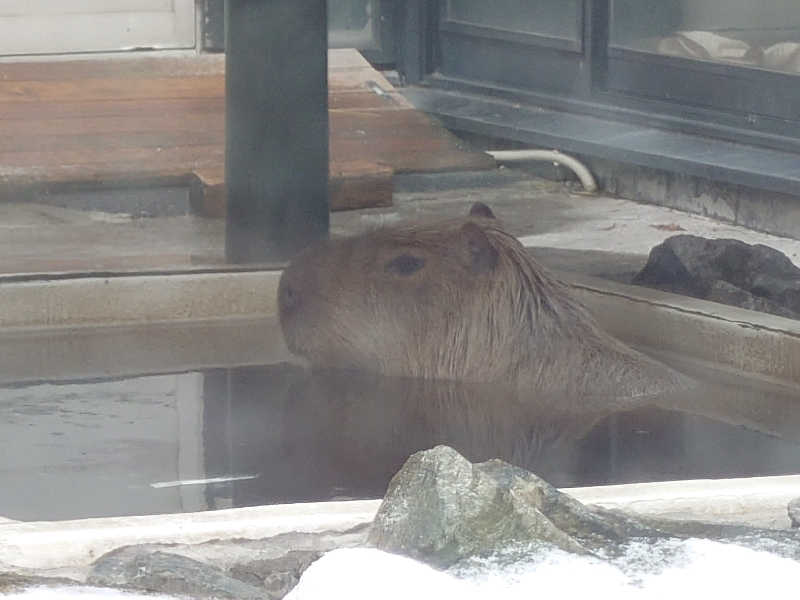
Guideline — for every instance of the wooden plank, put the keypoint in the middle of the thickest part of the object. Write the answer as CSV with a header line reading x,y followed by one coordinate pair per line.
x,y
120,67
405,139
176,107
121,159
360,184
82,123
340,60
346,58
360,80
106,142
111,89
149,121
208,196
172,108
89,165
364,100
128,66
353,184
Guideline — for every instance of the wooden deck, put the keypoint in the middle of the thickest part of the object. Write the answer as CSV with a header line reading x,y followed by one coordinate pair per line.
x,y
156,121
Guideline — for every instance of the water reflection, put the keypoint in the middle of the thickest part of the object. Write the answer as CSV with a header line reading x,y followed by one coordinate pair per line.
x,y
258,435
343,435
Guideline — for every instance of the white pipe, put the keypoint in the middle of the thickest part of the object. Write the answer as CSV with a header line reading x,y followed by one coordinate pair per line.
x,y
587,179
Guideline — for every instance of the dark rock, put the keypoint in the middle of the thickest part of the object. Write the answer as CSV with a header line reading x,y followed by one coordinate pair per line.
x,y
134,568
15,582
727,293
442,509
794,512
268,567
279,575
751,276
274,563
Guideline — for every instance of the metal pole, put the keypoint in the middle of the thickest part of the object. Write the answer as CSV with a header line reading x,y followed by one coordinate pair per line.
x,y
276,116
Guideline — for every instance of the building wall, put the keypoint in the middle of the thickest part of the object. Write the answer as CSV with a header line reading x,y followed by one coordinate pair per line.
x,y
47,27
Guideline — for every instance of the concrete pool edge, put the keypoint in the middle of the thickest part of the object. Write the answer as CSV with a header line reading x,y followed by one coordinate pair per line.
x,y
753,342
743,340
58,545
51,545
136,299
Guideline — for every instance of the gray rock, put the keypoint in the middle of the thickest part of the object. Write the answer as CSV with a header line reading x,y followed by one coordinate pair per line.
x,y
279,575
442,509
237,555
17,582
794,512
134,568
269,567
727,293
751,276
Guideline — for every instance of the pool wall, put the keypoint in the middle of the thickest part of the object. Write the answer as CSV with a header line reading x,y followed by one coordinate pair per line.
x,y
737,339
756,343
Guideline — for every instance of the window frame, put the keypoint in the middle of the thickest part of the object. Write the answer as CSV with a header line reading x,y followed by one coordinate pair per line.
x,y
600,79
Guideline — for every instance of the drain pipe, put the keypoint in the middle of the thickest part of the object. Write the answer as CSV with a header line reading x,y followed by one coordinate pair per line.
x,y
577,167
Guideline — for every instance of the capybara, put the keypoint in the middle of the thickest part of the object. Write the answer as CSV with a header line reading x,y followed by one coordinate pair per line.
x,y
460,300
354,430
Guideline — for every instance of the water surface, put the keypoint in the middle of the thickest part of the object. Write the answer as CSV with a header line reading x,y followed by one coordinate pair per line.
x,y
250,435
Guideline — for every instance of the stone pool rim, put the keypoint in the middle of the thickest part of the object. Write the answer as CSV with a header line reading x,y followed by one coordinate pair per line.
x,y
50,546
755,343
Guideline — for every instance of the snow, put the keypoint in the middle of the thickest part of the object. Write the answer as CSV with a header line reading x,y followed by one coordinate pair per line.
x,y
669,569
79,593
661,570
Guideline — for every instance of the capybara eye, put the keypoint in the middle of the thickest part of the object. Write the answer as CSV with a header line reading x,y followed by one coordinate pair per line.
x,y
405,264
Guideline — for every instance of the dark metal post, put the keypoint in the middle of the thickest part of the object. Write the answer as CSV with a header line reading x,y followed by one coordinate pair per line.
x,y
214,25
411,20
276,116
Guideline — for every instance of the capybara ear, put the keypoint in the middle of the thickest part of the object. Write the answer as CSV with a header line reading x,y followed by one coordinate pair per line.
x,y
479,209
482,256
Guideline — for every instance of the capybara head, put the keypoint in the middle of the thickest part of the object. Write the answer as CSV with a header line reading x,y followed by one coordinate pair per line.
x,y
458,299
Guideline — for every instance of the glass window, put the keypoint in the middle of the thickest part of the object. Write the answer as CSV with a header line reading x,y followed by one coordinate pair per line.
x,y
556,18
352,23
764,34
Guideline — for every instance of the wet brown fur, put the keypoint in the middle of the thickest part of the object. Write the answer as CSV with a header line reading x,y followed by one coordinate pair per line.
x,y
479,309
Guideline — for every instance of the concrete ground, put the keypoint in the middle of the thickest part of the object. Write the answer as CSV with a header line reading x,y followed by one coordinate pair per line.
x,y
590,234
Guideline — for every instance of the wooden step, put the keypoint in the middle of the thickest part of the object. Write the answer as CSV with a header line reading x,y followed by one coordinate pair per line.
x,y
149,121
